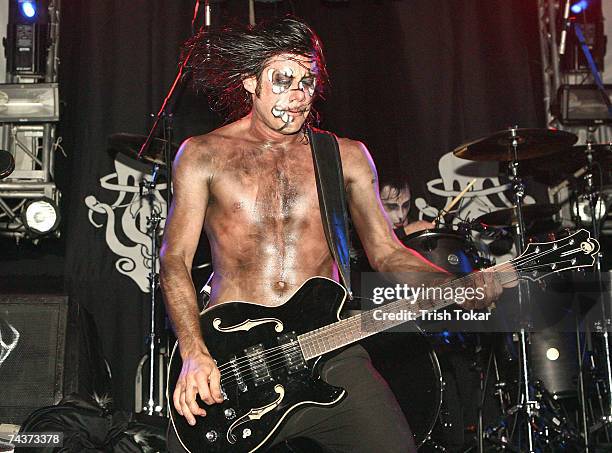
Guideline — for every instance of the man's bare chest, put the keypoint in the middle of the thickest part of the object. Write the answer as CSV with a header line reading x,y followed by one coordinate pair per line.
x,y
267,187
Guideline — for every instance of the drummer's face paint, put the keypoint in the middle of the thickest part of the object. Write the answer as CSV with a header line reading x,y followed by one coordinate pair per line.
x,y
397,204
284,93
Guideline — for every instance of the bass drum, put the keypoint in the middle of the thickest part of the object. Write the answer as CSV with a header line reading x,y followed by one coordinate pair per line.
x,y
451,250
410,366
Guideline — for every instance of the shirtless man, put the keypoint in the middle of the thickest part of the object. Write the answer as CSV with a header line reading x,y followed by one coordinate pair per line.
x,y
250,184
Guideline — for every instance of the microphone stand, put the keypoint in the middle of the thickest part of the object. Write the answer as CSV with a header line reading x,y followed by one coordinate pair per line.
x,y
164,118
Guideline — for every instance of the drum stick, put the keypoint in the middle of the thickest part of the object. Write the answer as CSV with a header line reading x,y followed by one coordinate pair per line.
x,y
455,200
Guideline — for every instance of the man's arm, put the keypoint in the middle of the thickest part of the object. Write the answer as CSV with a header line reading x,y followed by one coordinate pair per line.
x,y
191,177
385,252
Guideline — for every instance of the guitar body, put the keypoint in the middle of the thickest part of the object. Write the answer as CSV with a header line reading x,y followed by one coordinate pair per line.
x,y
264,374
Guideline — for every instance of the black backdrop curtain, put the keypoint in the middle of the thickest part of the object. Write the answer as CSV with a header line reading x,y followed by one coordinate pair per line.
x,y
410,78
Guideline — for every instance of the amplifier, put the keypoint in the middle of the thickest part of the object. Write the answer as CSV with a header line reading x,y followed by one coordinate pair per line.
x,y
32,353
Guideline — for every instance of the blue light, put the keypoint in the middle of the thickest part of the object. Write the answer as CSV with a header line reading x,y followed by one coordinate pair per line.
x,y
580,6
28,9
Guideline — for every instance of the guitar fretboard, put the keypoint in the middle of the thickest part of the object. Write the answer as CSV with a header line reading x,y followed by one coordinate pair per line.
x,y
350,330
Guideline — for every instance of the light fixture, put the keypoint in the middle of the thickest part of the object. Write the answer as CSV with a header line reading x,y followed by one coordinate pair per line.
x,y
29,102
580,6
27,8
40,217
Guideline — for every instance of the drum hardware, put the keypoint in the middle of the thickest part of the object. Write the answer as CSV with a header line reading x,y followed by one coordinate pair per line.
x,y
528,144
153,407
160,152
508,217
513,146
571,163
594,154
130,144
449,249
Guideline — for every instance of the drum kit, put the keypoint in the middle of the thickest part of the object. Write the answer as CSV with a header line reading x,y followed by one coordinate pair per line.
x,y
545,402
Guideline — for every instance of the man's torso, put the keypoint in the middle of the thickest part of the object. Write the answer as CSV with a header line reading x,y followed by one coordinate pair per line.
x,y
263,219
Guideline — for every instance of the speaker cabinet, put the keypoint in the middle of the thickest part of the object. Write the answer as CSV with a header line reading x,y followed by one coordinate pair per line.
x,y
32,353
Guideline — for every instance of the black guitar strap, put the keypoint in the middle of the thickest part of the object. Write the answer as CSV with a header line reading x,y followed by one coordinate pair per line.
x,y
332,199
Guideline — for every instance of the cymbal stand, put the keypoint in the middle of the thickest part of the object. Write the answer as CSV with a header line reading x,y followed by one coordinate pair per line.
x,y
153,223
529,405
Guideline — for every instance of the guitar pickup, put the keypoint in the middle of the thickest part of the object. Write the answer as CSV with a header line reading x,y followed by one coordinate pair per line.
x,y
259,366
292,352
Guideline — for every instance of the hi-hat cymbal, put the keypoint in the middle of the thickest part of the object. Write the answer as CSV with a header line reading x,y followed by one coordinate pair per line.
x,y
567,163
130,144
531,143
508,216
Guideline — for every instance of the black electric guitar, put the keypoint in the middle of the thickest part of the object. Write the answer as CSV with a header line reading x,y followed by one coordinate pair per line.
x,y
269,357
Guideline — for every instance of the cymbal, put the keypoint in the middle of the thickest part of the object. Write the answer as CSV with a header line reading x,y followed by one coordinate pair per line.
x,y
532,143
130,144
508,216
567,163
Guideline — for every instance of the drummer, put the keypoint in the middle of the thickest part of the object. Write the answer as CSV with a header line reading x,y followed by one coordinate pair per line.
x,y
395,196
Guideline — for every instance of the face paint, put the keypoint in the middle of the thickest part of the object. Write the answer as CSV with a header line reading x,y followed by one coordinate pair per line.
x,y
289,88
281,80
308,84
396,204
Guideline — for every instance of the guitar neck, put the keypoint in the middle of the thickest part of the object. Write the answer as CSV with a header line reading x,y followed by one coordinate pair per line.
x,y
350,330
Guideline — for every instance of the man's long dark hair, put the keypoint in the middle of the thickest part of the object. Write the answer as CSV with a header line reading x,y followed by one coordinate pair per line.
x,y
221,59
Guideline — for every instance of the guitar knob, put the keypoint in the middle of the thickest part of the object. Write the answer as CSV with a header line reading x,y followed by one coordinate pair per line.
x,y
229,413
212,436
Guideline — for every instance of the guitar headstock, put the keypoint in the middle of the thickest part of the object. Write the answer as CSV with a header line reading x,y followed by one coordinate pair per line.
x,y
541,259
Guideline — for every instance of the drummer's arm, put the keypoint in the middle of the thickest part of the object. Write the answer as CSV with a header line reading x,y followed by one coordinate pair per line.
x,y
419,225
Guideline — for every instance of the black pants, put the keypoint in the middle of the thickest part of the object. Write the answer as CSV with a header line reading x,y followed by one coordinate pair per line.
x,y
368,420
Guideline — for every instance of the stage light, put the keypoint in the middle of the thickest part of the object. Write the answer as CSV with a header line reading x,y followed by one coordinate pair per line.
x,y
27,8
580,6
552,354
40,217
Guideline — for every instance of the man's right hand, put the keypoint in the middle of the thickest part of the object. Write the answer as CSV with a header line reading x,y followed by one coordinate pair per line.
x,y
199,375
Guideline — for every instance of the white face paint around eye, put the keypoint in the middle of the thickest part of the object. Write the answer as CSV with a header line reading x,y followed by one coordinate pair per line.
x,y
280,79
310,87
